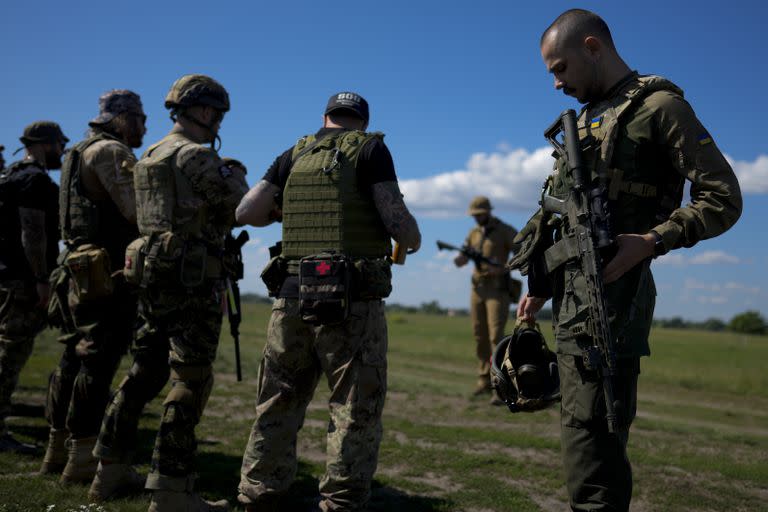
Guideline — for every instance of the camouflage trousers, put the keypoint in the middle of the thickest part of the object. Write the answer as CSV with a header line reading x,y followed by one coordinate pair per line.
x,y
178,336
352,355
20,322
79,387
598,472
489,311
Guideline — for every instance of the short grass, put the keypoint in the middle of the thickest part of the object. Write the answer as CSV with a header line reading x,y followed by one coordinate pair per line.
x,y
700,441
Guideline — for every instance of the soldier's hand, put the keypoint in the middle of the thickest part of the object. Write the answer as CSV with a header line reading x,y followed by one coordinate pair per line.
x,y
632,249
43,294
460,260
529,306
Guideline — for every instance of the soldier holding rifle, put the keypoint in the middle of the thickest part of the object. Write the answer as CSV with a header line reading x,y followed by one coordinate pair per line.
x,y
492,240
612,204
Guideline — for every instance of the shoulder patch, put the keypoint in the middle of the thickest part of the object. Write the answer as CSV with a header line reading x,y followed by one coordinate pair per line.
x,y
704,139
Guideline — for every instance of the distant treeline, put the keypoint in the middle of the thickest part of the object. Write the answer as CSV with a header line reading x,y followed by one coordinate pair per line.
x,y
749,322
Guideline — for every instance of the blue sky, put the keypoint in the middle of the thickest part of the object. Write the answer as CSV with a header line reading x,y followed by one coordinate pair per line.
x,y
459,88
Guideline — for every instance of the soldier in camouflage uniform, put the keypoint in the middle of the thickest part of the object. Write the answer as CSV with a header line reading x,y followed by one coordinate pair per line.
x,y
29,237
490,298
98,221
185,204
340,193
641,134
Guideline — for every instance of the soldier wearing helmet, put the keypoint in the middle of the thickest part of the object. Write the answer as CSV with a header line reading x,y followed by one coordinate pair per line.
x,y
185,203
97,221
29,238
491,285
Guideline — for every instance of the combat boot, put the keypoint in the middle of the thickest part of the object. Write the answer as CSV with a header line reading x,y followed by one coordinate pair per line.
x,y
173,501
81,464
56,454
115,481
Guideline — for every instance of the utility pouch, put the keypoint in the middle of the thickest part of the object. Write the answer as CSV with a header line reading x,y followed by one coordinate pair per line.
x,y
162,253
91,272
324,290
372,278
133,270
274,274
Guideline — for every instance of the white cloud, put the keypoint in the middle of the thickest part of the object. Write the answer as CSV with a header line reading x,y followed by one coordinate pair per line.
x,y
703,258
753,176
512,178
714,257
717,299
740,287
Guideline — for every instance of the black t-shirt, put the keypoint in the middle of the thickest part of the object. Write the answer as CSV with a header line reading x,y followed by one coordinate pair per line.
x,y
26,188
374,165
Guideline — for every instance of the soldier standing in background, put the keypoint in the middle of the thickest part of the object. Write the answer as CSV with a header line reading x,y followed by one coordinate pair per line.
x,y
642,136
490,297
29,237
98,221
185,204
339,194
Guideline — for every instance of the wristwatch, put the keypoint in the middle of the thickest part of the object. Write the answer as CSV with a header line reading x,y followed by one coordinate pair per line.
x,y
658,249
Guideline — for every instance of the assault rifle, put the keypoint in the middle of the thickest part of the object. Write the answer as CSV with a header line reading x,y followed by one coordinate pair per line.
x,y
233,247
587,231
469,252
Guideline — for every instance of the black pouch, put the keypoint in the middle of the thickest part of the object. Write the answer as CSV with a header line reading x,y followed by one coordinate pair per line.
x,y
324,288
274,274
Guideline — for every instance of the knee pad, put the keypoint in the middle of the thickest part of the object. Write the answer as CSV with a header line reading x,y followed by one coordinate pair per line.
x,y
191,387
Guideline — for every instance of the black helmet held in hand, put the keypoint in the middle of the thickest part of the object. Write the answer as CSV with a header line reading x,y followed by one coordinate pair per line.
x,y
524,370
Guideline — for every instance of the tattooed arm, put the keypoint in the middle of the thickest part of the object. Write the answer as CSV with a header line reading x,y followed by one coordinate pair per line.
x,y
258,207
33,240
397,219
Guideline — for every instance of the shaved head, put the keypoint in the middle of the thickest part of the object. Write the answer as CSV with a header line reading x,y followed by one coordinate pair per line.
x,y
576,25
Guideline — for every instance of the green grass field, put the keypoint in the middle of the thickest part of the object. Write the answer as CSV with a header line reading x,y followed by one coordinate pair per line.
x,y
700,441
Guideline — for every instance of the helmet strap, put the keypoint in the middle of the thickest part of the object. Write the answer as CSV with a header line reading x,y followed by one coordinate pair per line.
x,y
209,128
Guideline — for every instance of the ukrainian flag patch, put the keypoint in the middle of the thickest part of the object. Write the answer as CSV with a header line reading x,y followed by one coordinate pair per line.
x,y
705,139
596,122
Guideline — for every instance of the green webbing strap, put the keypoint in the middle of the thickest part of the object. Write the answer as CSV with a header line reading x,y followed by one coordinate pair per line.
x,y
618,184
564,250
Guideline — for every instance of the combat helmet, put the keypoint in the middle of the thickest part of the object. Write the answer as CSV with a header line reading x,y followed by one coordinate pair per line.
x,y
524,370
480,205
192,90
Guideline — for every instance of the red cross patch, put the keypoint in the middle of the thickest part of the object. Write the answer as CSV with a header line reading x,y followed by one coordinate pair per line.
x,y
322,268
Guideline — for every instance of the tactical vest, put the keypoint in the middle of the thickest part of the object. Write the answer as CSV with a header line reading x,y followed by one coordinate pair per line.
x,y
83,220
323,208
165,199
643,188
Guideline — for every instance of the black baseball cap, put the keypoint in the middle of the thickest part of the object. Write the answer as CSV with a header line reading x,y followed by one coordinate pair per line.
x,y
350,101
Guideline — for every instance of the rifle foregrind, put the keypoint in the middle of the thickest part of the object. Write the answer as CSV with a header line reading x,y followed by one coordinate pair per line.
x,y
234,247
469,252
587,224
